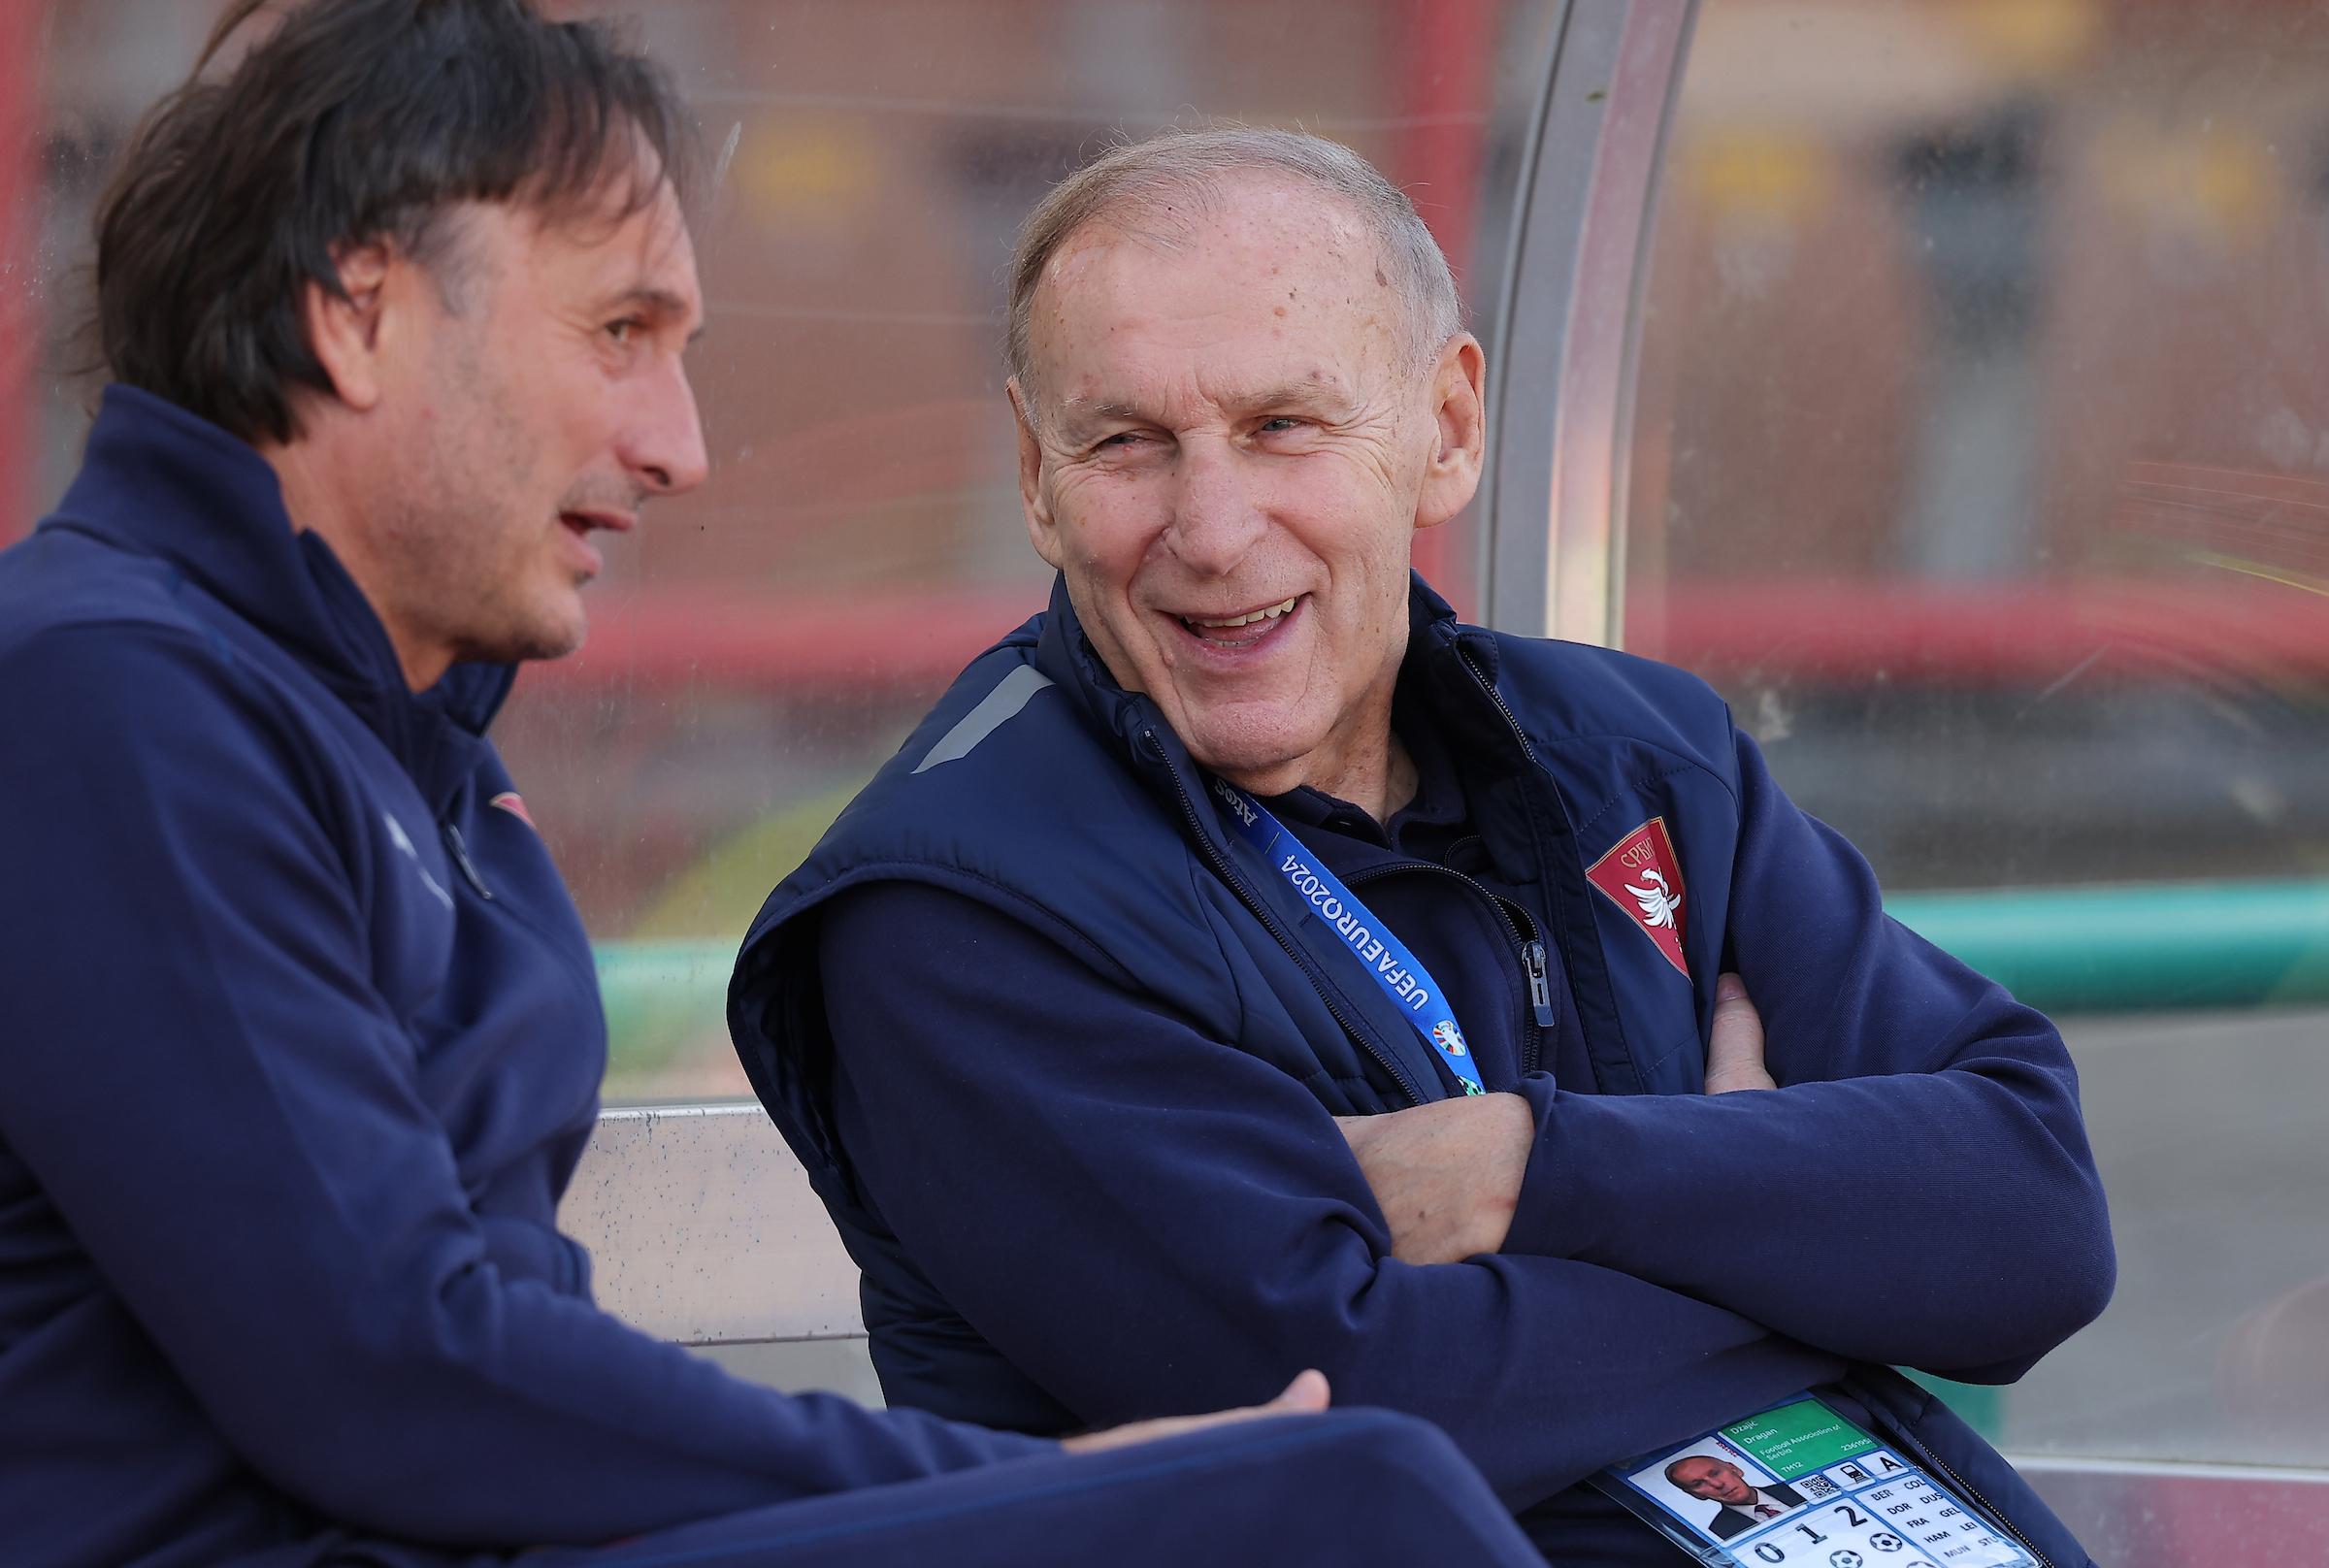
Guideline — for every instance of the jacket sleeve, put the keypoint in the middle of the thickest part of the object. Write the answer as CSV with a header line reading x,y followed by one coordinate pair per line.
x,y
1147,1220
1918,1190
198,1073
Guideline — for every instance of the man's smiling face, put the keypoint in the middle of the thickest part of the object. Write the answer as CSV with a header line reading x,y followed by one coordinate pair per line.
x,y
1225,450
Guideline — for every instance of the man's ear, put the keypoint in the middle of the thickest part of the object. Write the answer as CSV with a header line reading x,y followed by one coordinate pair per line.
x,y
345,334
1042,529
1460,430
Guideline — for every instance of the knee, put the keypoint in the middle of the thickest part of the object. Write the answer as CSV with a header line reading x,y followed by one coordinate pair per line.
x,y
1370,1448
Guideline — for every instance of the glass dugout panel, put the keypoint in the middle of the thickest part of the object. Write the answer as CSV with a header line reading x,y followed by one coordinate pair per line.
x,y
760,646
1979,454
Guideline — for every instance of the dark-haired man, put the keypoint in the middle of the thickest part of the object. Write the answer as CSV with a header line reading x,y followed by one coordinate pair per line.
x,y
1248,962
302,1039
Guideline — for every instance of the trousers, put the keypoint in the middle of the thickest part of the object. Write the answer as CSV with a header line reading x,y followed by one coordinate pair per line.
x,y
1347,1488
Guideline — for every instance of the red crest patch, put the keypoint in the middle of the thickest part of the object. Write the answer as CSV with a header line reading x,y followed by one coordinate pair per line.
x,y
1642,875
508,801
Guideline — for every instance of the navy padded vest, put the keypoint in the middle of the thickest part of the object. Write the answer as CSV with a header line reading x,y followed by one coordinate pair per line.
x,y
1041,788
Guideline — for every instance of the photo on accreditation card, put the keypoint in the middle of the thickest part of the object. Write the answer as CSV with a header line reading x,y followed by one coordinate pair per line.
x,y
1801,1485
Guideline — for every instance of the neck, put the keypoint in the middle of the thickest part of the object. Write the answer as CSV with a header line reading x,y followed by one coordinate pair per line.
x,y
1373,773
319,505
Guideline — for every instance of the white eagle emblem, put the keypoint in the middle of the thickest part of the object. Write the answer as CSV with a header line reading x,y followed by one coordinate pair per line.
x,y
1660,903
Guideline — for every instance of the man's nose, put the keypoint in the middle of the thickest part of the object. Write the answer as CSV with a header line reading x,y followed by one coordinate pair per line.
x,y
665,441
1217,514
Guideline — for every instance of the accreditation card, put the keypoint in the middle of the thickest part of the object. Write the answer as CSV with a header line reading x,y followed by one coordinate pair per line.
x,y
1799,1484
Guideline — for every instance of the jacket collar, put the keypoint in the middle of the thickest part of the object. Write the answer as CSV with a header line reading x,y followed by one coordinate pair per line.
x,y
1158,757
159,481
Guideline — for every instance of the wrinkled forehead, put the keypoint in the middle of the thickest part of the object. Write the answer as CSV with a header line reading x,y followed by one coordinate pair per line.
x,y
1263,282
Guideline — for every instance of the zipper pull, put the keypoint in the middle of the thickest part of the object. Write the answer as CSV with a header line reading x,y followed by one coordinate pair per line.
x,y
1540,990
458,848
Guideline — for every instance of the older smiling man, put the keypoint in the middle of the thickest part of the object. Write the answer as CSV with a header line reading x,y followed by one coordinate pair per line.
x,y
1248,835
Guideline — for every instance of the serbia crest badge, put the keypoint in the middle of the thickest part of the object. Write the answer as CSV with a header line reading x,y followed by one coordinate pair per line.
x,y
1642,875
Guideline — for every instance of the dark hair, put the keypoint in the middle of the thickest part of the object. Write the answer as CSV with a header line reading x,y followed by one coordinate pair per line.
x,y
353,122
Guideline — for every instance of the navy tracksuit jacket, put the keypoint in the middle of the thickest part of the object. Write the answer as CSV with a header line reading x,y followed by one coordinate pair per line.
x,y
1061,1054
299,1042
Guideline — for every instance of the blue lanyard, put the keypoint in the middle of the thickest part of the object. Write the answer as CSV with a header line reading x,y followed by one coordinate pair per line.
x,y
1403,979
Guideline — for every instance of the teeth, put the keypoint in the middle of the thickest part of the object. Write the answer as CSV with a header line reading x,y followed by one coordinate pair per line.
x,y
1269,614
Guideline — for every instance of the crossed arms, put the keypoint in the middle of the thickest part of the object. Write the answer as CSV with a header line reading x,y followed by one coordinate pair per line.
x,y
1144,1219
1447,1175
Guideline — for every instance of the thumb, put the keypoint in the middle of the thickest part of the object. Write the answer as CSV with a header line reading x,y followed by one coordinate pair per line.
x,y
1734,1047
1305,1396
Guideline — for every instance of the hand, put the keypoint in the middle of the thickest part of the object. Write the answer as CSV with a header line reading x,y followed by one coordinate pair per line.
x,y
1735,1046
1305,1396
1446,1175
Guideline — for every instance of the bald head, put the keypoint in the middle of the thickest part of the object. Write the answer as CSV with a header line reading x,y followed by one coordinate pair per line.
x,y
1165,191
1716,1480
1275,288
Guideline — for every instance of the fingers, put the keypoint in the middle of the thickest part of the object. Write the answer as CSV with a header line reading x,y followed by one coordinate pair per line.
x,y
1447,1175
1734,1047
1306,1395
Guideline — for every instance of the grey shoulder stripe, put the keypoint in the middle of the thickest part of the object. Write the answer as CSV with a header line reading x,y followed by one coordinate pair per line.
x,y
994,711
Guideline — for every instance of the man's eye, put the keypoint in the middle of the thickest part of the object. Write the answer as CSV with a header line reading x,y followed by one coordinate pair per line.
x,y
621,331
1122,437
1281,422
